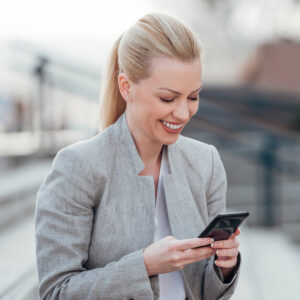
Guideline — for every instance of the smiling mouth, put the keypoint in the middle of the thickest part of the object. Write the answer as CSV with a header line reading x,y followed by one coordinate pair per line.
x,y
172,126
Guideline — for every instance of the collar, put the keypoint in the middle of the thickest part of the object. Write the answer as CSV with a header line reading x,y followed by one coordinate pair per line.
x,y
123,134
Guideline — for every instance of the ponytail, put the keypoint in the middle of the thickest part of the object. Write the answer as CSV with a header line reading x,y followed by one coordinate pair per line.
x,y
112,104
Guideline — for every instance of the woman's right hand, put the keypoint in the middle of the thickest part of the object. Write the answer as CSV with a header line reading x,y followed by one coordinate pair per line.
x,y
169,254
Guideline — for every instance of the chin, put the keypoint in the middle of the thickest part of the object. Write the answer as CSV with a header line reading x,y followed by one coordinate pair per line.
x,y
170,140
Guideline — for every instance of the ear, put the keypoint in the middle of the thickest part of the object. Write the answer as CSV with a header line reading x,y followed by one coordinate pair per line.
x,y
124,86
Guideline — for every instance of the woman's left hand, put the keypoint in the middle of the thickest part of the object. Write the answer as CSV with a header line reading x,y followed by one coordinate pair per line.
x,y
227,252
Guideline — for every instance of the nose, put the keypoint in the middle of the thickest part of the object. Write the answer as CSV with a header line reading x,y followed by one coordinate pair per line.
x,y
181,111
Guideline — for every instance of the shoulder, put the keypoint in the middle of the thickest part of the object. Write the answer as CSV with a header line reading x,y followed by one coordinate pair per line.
x,y
199,156
192,149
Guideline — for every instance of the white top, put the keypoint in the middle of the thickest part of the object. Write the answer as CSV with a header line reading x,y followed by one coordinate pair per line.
x,y
171,284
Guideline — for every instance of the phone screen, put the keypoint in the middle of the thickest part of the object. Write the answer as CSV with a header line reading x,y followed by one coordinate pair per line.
x,y
222,229
224,225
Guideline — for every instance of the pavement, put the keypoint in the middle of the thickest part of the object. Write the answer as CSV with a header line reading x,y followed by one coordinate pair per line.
x,y
18,276
270,267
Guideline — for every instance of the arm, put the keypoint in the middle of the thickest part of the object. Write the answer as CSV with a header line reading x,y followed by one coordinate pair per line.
x,y
63,225
215,286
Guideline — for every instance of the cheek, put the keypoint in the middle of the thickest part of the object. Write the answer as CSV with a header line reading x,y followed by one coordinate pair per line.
x,y
142,109
148,113
194,108
156,111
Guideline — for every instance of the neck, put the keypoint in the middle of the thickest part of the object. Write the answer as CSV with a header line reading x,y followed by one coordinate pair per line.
x,y
149,151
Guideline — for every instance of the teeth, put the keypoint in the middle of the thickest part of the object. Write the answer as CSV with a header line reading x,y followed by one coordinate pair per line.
x,y
171,125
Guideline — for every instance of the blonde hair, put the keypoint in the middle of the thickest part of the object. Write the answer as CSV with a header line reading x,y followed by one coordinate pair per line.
x,y
155,34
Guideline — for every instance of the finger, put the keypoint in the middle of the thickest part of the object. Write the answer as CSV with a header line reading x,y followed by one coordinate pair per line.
x,y
228,263
192,243
192,255
233,235
196,252
227,252
169,238
236,233
230,243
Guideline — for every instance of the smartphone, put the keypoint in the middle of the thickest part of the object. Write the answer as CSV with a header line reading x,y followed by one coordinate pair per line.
x,y
223,226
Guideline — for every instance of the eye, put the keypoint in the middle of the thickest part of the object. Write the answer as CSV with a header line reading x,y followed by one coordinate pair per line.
x,y
166,100
194,99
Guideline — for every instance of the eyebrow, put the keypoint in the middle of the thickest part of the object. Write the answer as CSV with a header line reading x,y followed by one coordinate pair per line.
x,y
175,92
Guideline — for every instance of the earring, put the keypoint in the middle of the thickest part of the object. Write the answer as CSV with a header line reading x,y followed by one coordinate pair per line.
x,y
127,97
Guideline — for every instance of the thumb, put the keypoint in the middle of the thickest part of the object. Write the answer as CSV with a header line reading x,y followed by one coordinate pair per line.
x,y
236,233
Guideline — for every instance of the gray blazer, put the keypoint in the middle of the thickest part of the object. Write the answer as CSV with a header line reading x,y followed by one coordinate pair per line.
x,y
95,215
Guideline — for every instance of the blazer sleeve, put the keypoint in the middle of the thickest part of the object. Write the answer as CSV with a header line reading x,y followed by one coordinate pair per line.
x,y
213,283
63,227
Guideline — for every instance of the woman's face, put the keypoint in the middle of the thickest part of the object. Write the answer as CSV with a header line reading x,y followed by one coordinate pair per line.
x,y
160,106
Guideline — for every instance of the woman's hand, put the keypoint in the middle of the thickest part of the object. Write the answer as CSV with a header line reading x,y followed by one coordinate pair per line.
x,y
169,254
227,252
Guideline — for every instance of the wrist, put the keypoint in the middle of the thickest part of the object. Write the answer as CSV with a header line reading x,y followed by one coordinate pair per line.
x,y
146,263
229,273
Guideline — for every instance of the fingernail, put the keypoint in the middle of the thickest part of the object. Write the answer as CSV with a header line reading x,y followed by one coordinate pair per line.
x,y
212,244
217,252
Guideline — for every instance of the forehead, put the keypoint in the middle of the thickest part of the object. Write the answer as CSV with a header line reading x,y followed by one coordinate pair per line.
x,y
173,73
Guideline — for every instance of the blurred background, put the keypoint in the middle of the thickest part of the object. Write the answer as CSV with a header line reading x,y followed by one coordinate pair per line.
x,y
51,58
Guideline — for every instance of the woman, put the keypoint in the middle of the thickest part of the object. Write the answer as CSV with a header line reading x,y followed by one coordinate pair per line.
x,y
118,215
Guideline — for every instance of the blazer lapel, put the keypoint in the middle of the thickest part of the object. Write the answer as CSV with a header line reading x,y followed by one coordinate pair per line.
x,y
127,151
141,189
185,220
